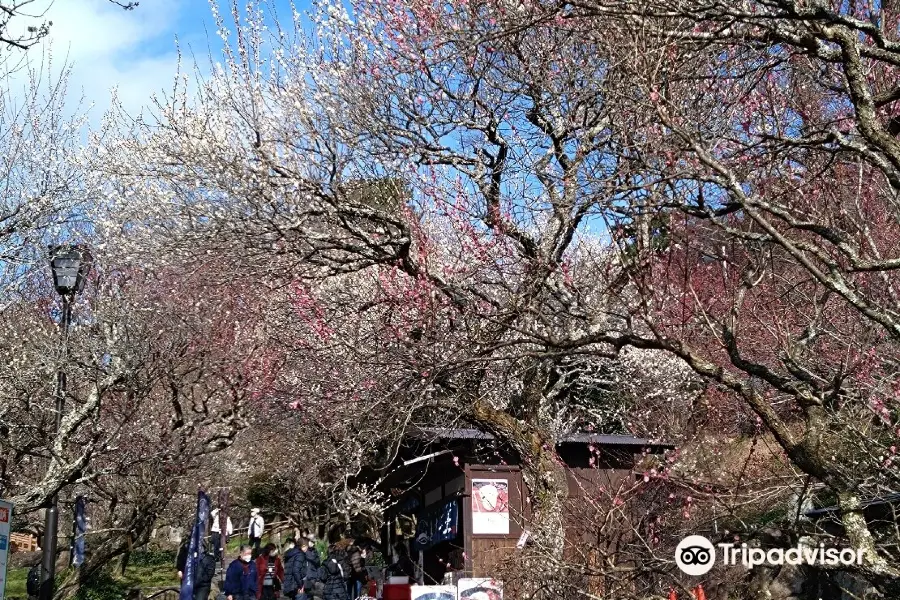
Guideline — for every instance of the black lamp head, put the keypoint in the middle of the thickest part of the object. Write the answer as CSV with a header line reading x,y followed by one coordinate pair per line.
x,y
70,265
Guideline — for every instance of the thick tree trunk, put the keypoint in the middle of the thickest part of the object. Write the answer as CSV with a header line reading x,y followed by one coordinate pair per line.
x,y
884,576
544,475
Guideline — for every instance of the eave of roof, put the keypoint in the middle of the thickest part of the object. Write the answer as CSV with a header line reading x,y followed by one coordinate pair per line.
x,y
572,438
891,498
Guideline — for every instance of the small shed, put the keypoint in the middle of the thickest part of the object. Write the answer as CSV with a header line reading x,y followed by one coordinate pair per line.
x,y
460,497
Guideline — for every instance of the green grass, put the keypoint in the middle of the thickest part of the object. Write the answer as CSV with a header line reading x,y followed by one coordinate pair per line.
x,y
145,570
15,583
136,576
145,576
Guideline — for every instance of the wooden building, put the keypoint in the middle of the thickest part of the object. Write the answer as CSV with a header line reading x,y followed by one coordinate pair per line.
x,y
461,498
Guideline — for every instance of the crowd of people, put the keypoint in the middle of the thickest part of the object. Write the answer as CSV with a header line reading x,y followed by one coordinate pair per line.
x,y
302,575
261,573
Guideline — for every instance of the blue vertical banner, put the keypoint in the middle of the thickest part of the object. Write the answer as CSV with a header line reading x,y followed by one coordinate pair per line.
x,y
79,529
190,569
424,532
446,524
437,525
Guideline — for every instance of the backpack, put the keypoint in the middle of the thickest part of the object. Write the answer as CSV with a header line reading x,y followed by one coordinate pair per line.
x,y
336,566
206,571
33,583
269,578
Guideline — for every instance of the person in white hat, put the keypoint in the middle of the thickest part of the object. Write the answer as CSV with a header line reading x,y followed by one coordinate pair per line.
x,y
255,530
215,532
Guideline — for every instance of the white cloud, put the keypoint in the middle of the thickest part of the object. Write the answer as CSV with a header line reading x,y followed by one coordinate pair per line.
x,y
108,47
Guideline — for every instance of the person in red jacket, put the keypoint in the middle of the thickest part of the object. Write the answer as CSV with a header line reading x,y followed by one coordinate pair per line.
x,y
269,573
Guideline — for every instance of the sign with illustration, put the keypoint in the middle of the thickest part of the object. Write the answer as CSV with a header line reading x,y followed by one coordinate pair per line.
x,y
433,592
490,506
6,509
480,589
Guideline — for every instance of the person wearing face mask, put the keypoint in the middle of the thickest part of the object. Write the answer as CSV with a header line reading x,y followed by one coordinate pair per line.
x,y
313,586
241,576
255,530
270,573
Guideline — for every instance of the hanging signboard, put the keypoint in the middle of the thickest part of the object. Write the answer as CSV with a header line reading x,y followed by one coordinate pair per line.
x,y
523,539
437,525
77,552
6,511
490,506
445,525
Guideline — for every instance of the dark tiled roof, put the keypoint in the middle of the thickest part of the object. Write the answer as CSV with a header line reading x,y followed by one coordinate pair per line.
x,y
893,498
572,438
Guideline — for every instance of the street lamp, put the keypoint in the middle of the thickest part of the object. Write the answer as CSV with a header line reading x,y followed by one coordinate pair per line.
x,y
70,266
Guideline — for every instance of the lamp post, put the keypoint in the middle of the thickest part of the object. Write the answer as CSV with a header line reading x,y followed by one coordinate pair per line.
x,y
70,266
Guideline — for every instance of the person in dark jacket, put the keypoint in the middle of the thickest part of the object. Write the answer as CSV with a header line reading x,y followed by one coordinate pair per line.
x,y
270,573
334,575
206,571
313,564
404,565
294,572
358,574
33,582
241,577
181,559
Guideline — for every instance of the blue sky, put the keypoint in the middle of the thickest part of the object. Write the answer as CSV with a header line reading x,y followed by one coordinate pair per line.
x,y
134,51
